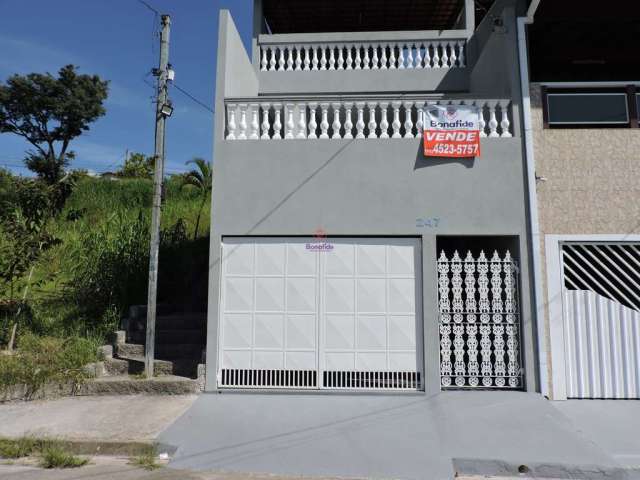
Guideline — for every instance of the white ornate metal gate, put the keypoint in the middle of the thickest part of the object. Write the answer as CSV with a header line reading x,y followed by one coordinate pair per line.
x,y
478,307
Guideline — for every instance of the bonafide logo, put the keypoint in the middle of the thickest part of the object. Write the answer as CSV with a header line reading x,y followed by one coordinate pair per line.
x,y
320,245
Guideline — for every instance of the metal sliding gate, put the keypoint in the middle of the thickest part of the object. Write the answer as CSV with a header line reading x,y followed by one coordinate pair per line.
x,y
601,319
304,313
479,322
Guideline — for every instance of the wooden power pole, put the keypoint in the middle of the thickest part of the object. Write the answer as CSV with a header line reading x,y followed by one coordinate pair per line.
x,y
163,110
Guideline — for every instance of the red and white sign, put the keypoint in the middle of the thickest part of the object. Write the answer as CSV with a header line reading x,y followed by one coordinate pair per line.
x,y
452,131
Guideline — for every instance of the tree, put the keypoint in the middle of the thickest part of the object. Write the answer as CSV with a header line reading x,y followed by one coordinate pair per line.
x,y
201,179
49,113
138,165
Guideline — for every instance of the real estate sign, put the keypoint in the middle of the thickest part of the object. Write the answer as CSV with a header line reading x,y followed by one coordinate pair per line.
x,y
452,131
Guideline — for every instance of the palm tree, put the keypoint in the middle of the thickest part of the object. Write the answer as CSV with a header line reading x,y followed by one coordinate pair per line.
x,y
201,179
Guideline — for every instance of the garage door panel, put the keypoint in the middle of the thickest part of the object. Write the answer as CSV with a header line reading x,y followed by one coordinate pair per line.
x,y
237,359
237,331
341,261
301,294
301,360
268,360
269,294
371,362
371,260
239,259
301,332
402,295
339,331
269,330
238,294
339,295
401,260
371,295
372,332
301,261
402,332
270,259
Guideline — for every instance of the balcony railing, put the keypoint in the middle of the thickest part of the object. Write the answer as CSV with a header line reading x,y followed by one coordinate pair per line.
x,y
281,118
382,55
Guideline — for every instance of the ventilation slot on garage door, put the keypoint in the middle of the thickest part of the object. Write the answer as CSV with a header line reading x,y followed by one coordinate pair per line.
x,y
372,380
269,378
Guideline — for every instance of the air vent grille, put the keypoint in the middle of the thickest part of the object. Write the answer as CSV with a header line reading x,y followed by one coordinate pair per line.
x,y
371,380
251,378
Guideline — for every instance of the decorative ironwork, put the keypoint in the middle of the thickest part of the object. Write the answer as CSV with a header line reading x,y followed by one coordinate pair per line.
x,y
479,289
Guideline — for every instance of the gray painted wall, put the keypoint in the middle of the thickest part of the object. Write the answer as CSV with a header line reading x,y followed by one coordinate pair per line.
x,y
374,187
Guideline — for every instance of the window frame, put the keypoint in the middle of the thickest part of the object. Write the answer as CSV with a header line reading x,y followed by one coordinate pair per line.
x,y
631,93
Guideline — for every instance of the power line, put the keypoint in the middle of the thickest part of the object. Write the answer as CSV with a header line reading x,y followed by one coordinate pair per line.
x,y
202,104
148,6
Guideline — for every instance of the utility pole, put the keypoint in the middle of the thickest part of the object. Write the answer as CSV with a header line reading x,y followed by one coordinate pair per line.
x,y
163,110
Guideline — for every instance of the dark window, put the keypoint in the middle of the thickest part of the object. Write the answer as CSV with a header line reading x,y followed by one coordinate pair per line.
x,y
587,109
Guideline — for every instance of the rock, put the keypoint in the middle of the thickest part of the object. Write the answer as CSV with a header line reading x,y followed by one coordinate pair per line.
x,y
105,352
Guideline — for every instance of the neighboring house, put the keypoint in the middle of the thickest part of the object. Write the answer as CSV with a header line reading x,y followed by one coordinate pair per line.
x,y
343,258
585,86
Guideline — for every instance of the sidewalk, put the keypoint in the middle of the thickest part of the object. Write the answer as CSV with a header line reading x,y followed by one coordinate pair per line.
x,y
129,418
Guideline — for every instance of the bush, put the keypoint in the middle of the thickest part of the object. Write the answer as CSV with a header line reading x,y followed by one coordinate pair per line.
x,y
40,360
19,448
55,456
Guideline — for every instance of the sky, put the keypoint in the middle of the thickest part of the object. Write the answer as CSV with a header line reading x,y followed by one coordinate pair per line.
x,y
117,40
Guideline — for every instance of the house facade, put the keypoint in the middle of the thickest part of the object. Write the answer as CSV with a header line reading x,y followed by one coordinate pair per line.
x,y
343,258
584,96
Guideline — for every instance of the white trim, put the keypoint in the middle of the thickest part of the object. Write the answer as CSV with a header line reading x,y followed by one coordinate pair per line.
x,y
612,84
553,244
538,298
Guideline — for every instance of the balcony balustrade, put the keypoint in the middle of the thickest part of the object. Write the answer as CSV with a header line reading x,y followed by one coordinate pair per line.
x,y
359,118
385,55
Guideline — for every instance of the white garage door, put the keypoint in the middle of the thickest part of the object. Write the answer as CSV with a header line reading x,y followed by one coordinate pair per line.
x,y
341,313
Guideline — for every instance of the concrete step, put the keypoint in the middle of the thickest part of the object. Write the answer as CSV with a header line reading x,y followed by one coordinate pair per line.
x,y
115,366
169,336
136,365
129,350
126,385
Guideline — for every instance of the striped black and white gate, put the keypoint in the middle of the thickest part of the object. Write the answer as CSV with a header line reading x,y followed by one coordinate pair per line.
x,y
600,319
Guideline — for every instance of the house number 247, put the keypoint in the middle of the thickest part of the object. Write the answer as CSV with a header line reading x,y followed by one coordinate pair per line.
x,y
429,222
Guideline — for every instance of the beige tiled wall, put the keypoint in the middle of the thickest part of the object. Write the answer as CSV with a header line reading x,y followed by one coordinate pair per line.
x,y
592,182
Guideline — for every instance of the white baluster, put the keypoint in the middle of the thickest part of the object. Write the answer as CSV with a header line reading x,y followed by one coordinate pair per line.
x,y
392,56
272,61
315,62
452,56
255,125
505,124
360,123
264,62
436,54
427,55
348,123
313,125
374,58
410,47
384,119
461,57
289,58
307,58
445,55
282,60
298,66
340,57
365,58
349,58
265,121
383,56
408,121
231,122
324,123
418,55
302,121
358,60
277,123
323,58
401,65
332,57
290,125
420,120
396,119
493,122
372,120
336,125
243,122
482,124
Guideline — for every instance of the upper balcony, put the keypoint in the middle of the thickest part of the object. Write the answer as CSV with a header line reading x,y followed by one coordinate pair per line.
x,y
349,47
